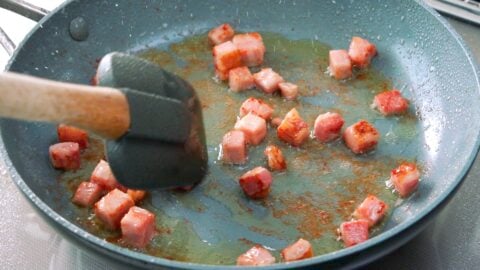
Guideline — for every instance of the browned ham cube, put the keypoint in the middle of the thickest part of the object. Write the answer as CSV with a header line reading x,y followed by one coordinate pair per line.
x,y
361,52
275,159
65,155
328,127
234,147
257,107
226,56
138,227
361,137
405,178
251,48
267,80
102,175
254,127
240,79
112,207
220,34
256,256
302,249
354,232
340,64
293,129
87,194
72,134
390,103
256,183
372,209
288,90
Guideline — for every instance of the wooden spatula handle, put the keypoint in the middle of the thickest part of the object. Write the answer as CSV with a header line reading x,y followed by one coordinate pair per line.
x,y
101,110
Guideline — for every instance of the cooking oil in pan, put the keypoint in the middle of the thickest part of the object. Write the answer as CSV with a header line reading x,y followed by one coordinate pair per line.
x,y
215,222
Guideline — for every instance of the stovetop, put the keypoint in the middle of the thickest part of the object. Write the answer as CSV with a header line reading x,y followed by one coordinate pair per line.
x,y
452,241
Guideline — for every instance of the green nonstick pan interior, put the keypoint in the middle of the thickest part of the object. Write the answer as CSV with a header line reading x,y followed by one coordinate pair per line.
x,y
418,54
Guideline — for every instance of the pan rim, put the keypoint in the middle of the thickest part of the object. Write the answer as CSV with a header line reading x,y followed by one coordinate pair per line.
x,y
148,259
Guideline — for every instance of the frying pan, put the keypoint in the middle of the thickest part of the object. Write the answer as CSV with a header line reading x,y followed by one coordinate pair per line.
x,y
418,52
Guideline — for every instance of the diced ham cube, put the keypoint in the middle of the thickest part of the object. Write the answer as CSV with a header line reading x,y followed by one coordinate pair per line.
x,y
267,80
254,127
302,249
220,34
276,122
256,256
361,52
361,137
102,175
87,194
138,227
390,102
251,48
234,147
354,232
328,126
405,178
256,183
293,129
226,56
112,207
240,79
288,90
275,159
372,209
136,195
257,107
65,155
340,64
72,134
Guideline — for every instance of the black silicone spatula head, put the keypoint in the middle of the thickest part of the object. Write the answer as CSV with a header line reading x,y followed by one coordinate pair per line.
x,y
165,145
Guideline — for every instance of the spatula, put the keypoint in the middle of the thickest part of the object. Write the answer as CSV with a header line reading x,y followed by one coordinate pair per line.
x,y
151,119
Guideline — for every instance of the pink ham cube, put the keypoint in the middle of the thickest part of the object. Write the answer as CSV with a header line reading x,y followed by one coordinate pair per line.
x,y
361,52
340,64
234,147
256,183
302,249
275,159
254,127
256,256
87,194
328,127
220,34
257,107
112,207
288,90
226,56
405,178
372,209
138,227
293,129
354,232
65,155
251,48
136,195
240,79
267,80
390,103
102,175
276,121
361,137
72,134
